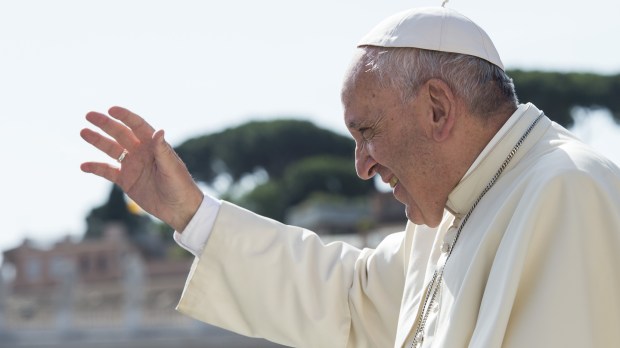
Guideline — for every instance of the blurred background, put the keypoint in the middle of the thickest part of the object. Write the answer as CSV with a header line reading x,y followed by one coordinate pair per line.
x,y
249,94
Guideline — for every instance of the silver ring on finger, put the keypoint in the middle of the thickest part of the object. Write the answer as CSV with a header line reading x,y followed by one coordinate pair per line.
x,y
122,156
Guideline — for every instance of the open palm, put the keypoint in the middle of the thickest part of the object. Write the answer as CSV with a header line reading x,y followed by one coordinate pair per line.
x,y
151,173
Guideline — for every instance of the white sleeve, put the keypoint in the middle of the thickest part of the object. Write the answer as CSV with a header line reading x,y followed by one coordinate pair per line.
x,y
260,278
195,236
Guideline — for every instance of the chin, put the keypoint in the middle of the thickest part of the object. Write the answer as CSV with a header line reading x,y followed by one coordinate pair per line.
x,y
417,218
413,216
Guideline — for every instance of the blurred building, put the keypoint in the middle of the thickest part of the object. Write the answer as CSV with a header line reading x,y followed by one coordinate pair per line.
x,y
95,260
91,277
378,214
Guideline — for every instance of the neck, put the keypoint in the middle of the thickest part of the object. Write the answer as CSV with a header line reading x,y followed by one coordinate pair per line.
x,y
474,136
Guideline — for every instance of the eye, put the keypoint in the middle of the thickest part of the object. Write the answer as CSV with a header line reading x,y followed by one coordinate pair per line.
x,y
367,133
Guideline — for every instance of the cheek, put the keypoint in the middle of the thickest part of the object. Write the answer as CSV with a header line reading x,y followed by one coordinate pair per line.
x,y
383,153
416,153
403,155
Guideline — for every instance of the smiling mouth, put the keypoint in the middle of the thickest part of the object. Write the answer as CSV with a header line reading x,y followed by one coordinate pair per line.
x,y
393,182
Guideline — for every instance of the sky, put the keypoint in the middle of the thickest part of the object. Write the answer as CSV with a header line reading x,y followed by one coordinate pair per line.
x,y
195,67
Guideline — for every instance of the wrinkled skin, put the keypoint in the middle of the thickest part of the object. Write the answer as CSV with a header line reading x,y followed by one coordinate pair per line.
x,y
422,146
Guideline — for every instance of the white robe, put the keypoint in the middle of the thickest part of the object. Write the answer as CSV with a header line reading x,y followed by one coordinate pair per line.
x,y
536,265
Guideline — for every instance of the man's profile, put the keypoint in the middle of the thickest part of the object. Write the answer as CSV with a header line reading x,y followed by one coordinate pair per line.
x,y
512,238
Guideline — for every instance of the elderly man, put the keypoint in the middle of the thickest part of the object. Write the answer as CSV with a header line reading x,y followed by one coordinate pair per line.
x,y
513,235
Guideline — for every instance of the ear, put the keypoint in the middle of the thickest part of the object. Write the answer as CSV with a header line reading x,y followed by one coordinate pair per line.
x,y
442,103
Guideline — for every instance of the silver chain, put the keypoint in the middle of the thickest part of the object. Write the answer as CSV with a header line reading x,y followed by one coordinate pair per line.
x,y
435,283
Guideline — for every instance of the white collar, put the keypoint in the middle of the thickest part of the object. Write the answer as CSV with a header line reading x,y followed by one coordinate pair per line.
x,y
502,131
486,165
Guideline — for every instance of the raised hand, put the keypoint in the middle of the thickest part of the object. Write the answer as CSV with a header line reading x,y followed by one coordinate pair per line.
x,y
149,170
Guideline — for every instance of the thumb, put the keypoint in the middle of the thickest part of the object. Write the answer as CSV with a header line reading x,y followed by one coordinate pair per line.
x,y
165,156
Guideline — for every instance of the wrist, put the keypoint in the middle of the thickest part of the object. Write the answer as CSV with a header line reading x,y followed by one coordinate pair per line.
x,y
187,211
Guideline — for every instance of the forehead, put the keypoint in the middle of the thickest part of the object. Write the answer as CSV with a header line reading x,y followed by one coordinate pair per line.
x,y
361,85
359,94
364,98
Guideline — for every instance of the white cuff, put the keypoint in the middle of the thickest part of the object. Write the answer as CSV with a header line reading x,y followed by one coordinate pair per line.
x,y
194,237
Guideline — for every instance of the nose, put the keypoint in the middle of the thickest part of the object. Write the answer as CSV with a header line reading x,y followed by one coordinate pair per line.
x,y
364,163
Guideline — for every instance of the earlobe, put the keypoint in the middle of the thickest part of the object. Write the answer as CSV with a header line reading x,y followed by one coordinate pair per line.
x,y
442,104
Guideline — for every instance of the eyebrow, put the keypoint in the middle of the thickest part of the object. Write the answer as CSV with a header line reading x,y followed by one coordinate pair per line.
x,y
353,125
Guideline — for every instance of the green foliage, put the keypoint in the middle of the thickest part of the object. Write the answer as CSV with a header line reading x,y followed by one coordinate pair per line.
x,y
328,174
558,93
139,227
270,145
298,157
268,199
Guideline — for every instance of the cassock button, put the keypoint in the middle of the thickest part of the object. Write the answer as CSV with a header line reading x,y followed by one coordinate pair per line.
x,y
445,247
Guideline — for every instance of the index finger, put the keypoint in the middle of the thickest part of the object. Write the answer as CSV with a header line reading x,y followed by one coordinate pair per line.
x,y
142,129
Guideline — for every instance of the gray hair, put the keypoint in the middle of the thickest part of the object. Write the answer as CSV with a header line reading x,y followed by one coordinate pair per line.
x,y
484,86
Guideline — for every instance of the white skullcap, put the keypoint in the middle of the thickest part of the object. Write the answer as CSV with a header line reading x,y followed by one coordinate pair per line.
x,y
433,28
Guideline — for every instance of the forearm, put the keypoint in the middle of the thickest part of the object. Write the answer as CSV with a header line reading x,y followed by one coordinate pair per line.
x,y
261,278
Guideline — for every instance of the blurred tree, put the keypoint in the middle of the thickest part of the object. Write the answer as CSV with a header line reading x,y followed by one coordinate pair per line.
x,y
268,145
268,199
140,228
115,209
328,175
298,158
558,93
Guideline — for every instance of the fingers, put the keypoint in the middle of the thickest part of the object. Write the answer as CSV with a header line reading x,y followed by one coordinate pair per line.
x,y
103,170
113,128
138,125
106,145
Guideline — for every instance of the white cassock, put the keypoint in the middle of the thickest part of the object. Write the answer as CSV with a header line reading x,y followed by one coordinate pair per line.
x,y
537,264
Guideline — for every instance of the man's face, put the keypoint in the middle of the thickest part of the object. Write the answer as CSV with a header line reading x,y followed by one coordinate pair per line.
x,y
391,140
